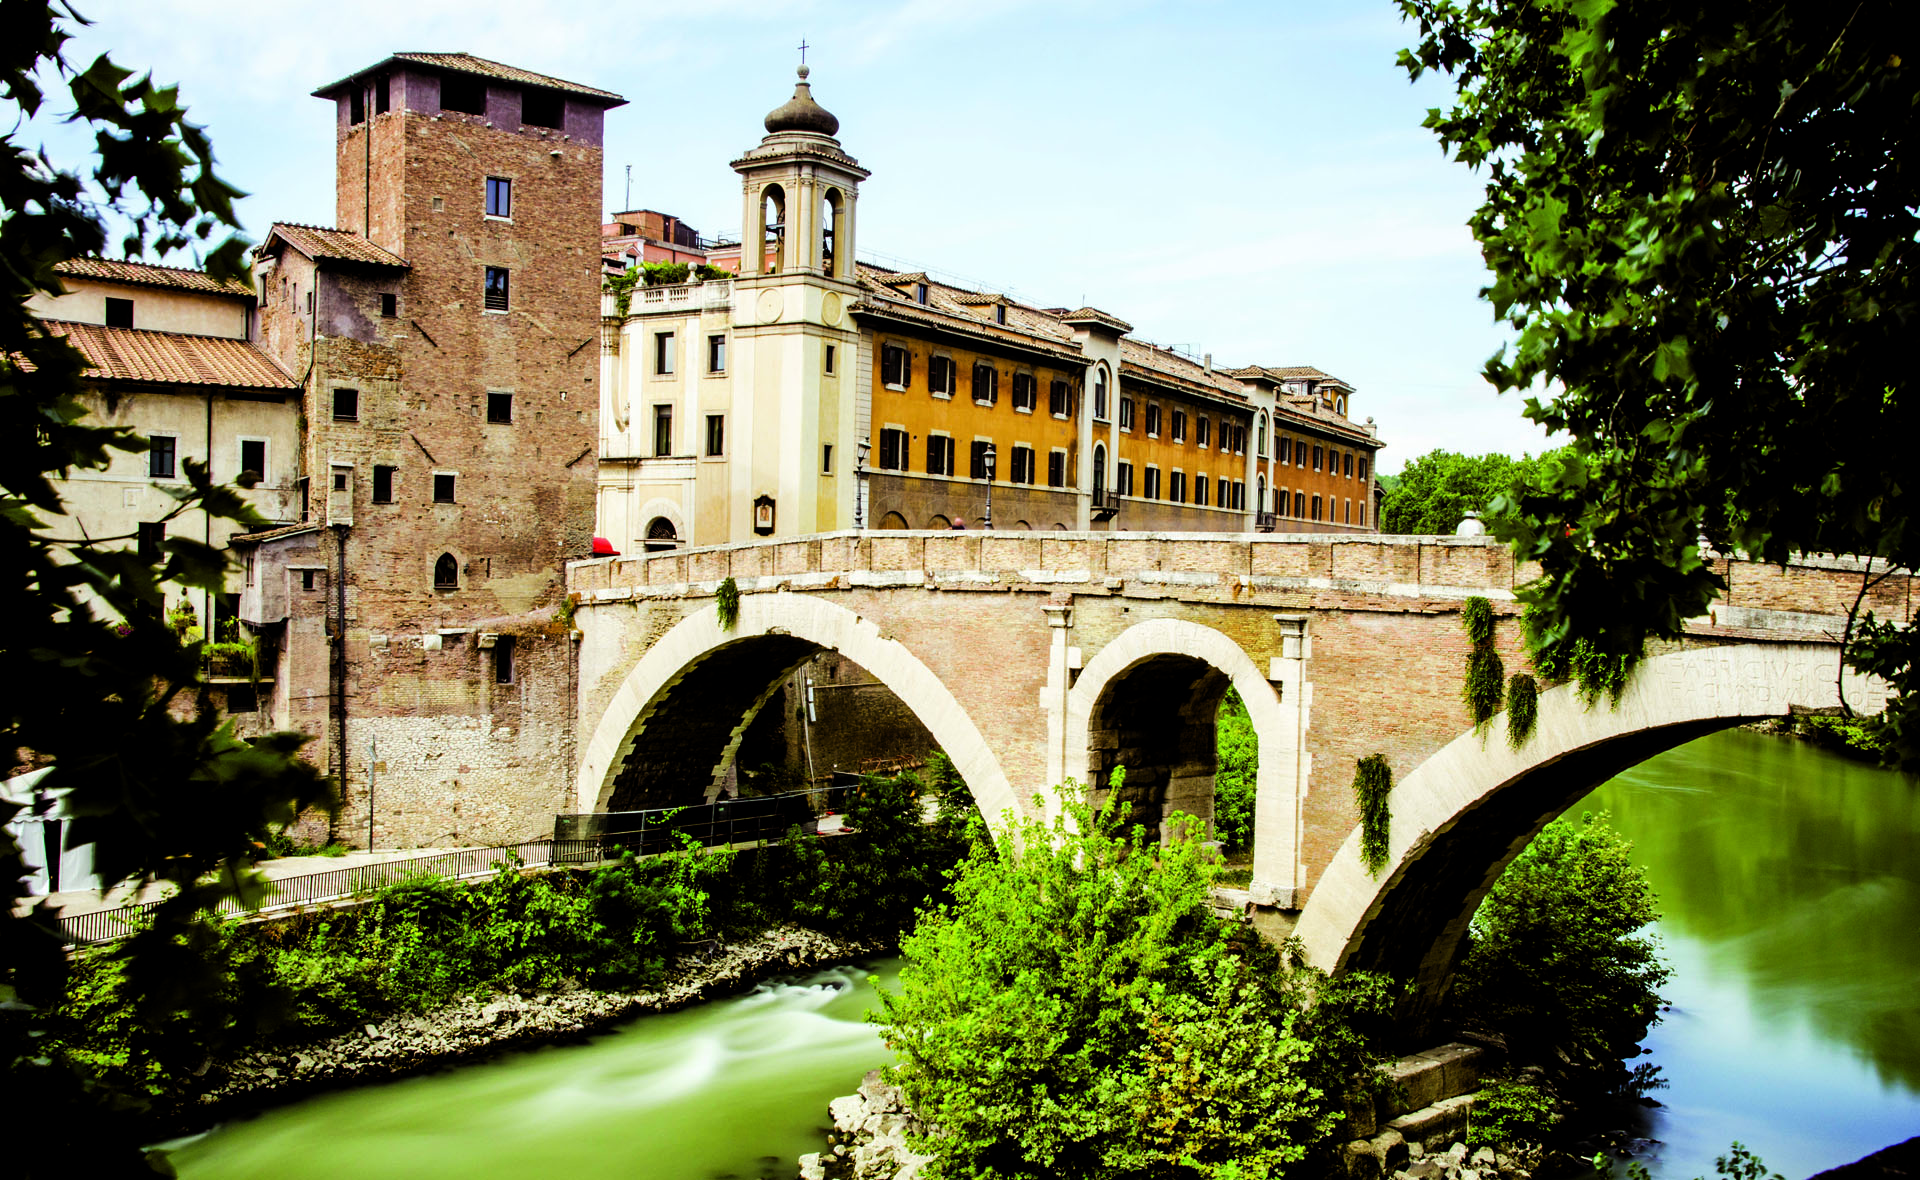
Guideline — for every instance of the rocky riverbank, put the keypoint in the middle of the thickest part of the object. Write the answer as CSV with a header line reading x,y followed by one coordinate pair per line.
x,y
869,1138
473,1028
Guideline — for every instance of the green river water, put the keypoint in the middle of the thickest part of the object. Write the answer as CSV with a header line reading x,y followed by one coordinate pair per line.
x,y
1792,916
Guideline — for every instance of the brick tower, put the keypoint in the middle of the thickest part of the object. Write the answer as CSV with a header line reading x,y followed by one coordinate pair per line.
x,y
447,329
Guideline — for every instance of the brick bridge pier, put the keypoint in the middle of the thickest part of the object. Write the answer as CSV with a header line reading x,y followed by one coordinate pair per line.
x,y
1034,658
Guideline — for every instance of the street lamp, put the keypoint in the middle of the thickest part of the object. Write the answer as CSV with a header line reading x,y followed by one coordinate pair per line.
x,y
862,450
986,521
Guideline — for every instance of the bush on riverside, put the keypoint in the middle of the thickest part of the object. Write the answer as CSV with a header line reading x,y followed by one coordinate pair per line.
x,y
1079,1011
419,944
1556,961
1236,772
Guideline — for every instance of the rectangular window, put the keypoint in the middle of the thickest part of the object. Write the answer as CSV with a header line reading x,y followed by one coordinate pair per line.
x,y
382,484
1153,419
920,293
503,659
389,306
1363,475
826,459
161,451
500,408
346,405
662,431
663,354
939,454
1239,494
980,466
465,94
1318,453
1023,392
1056,468
1057,399
382,95
540,109
152,533
1200,488
1100,397
1202,432
1346,464
1316,508
1150,483
940,376
827,364
716,435
1022,465
1300,504
1177,487
496,288
499,197
442,487
896,367
309,579
119,313
1179,426
1126,413
1123,479
1346,506
253,459
1240,442
893,449
1283,451
357,106
986,384
716,354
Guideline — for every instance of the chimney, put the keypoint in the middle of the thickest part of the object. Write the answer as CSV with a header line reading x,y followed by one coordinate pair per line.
x,y
1207,362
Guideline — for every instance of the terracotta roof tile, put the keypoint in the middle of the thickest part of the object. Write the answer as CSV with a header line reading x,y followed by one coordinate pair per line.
x,y
321,242
467,63
146,274
171,358
1171,364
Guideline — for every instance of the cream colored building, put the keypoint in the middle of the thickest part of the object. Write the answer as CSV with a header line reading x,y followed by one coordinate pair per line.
x,y
809,393
169,358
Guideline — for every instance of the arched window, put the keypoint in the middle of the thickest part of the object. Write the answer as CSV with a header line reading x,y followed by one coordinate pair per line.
x,y
446,573
829,232
1262,450
773,227
1100,394
1099,471
661,534
1260,488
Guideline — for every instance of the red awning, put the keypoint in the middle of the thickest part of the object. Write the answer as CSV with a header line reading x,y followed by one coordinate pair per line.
x,y
604,548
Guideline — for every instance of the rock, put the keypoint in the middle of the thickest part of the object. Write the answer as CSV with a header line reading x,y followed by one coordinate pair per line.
x,y
1484,1158
1468,1174
1458,1151
1426,1169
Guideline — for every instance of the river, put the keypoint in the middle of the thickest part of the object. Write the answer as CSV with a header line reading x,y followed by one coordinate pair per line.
x,y
1791,899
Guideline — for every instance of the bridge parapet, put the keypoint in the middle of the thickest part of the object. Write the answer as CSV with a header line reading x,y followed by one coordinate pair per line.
x,y
1810,596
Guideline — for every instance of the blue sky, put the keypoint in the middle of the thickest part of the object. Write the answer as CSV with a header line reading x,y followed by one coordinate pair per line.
x,y
1245,179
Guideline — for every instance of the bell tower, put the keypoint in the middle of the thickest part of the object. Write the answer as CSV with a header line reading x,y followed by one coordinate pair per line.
x,y
796,394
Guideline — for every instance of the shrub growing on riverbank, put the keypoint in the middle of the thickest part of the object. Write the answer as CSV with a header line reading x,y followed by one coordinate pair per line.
x,y
1237,769
1078,1011
1557,961
419,944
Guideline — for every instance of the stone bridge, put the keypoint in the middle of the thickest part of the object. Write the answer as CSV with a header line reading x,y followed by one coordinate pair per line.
x,y
1035,658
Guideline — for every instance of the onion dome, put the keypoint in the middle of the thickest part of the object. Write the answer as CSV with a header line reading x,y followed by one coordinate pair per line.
x,y
801,113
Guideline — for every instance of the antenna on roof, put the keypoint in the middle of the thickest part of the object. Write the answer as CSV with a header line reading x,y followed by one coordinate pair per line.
x,y
629,203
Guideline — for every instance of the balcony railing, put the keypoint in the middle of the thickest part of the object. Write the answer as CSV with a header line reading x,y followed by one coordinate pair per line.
x,y
708,296
1106,502
1264,522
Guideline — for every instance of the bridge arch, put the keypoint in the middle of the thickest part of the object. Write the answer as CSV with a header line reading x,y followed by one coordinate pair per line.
x,y
1462,816
1122,696
662,712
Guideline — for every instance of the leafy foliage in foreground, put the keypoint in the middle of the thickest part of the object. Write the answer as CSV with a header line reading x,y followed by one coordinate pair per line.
x,y
1702,220
1078,1011
101,687
1557,960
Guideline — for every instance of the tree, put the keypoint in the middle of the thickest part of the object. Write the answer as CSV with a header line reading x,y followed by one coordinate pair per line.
x,y
1435,492
1078,1011
1701,220
1556,959
101,689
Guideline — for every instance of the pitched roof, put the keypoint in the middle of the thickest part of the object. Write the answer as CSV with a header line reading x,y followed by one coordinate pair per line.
x,y
467,63
171,358
146,274
1155,362
321,242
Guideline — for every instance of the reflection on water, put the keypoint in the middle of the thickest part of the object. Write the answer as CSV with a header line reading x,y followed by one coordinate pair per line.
x,y
1791,900
734,1088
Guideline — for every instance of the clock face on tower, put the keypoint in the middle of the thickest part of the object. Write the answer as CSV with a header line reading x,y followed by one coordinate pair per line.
x,y
772,303
830,309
